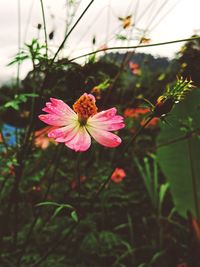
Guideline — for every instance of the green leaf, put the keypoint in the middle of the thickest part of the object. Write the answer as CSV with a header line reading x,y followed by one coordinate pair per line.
x,y
179,158
18,99
156,256
162,193
46,203
57,210
121,37
49,203
74,216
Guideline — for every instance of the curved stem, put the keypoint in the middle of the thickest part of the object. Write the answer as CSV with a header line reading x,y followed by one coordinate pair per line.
x,y
136,46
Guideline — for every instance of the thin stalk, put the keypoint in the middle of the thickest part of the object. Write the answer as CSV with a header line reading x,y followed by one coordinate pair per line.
x,y
194,181
19,39
29,15
56,160
136,46
45,29
138,132
70,31
62,239
157,12
4,141
180,138
56,243
4,183
78,179
123,150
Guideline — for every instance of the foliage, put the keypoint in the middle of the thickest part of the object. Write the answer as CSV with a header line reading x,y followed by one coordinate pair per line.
x,y
61,208
179,159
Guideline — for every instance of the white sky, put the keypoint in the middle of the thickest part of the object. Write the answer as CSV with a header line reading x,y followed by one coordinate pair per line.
x,y
165,19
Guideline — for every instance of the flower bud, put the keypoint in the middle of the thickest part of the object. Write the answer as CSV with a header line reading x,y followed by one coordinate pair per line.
x,y
163,106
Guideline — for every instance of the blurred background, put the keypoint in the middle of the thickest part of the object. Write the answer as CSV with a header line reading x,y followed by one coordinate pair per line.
x,y
158,21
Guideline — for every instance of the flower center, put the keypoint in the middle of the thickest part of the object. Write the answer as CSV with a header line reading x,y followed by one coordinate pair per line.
x,y
85,107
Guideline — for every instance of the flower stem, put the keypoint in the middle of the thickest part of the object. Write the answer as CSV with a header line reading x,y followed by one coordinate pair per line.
x,y
136,46
45,29
56,160
138,132
78,178
123,150
70,31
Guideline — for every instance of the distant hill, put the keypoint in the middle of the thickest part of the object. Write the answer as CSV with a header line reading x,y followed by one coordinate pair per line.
x,y
154,63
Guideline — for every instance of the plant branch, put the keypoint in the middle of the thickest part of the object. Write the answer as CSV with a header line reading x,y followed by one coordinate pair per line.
x,y
45,29
70,31
135,46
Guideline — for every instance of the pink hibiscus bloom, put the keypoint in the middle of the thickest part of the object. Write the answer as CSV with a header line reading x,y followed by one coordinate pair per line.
x,y
74,127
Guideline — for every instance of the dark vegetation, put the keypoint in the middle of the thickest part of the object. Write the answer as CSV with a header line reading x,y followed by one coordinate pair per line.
x,y
138,222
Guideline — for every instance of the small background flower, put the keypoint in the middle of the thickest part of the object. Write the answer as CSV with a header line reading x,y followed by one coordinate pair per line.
x,y
118,175
41,139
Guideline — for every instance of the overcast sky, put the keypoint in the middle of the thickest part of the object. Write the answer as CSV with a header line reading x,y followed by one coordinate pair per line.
x,y
164,20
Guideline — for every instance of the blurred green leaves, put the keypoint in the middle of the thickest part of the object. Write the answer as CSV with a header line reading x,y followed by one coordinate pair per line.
x,y
179,154
18,99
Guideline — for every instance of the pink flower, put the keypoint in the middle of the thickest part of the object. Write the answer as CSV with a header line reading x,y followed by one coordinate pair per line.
x,y
118,175
74,127
135,69
41,138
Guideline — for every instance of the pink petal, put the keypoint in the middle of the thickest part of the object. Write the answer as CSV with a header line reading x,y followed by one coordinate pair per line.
x,y
105,114
60,106
64,134
55,120
113,124
81,141
104,138
59,113
106,120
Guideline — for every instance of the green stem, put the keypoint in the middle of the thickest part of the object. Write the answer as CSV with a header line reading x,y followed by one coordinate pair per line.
x,y
138,132
78,179
123,150
136,46
70,31
19,40
45,29
4,141
180,138
56,160
56,243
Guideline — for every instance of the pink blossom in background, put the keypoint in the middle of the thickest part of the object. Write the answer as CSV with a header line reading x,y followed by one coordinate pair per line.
x,y
41,138
135,69
74,127
103,47
140,115
152,124
135,112
118,175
